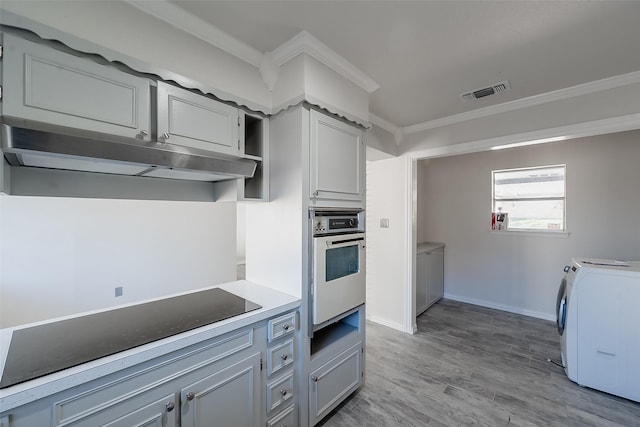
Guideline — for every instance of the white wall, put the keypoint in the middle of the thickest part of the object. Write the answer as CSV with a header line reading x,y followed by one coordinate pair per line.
x,y
60,256
241,234
380,144
388,189
276,231
521,273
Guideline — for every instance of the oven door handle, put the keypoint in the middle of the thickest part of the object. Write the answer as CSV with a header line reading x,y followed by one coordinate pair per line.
x,y
344,242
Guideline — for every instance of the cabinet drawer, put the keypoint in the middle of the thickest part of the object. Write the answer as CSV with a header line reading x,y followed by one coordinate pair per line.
x,y
279,392
286,418
282,326
135,412
279,357
144,380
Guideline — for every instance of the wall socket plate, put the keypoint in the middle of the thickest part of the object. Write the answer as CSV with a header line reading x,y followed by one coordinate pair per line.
x,y
384,222
118,291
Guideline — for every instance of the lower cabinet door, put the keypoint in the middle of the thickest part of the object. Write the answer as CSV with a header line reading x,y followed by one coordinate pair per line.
x,y
435,276
230,397
286,418
421,282
334,381
161,413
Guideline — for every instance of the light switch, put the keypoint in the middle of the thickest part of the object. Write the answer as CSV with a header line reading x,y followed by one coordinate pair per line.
x,y
384,222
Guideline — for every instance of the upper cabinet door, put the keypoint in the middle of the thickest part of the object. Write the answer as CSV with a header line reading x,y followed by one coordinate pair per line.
x,y
336,159
47,85
192,120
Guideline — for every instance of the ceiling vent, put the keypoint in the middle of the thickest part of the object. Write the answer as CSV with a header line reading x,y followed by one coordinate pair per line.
x,y
486,91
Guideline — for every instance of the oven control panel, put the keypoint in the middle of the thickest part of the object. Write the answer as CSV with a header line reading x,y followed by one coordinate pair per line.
x,y
337,222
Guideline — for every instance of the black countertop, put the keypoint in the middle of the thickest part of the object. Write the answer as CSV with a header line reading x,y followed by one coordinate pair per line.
x,y
44,349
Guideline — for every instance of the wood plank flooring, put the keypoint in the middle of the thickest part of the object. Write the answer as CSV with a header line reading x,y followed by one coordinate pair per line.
x,y
471,365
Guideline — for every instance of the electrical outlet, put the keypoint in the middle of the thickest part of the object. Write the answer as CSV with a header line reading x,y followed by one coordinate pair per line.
x,y
119,291
384,222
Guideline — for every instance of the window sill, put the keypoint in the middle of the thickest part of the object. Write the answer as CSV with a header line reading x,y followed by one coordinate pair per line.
x,y
552,234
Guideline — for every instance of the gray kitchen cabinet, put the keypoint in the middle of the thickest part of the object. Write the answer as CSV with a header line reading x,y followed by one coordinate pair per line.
x,y
337,159
422,282
227,398
429,275
195,386
332,382
301,141
254,145
281,386
337,364
47,85
196,121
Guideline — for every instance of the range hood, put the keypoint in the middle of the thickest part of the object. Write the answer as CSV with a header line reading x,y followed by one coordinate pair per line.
x,y
35,144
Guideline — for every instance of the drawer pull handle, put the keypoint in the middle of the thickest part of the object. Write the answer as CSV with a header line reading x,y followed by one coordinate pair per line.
x,y
285,326
283,392
191,395
169,406
284,357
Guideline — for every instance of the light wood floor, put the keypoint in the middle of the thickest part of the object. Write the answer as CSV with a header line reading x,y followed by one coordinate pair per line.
x,y
470,365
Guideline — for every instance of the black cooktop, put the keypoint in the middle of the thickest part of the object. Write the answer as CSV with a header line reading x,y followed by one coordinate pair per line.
x,y
41,350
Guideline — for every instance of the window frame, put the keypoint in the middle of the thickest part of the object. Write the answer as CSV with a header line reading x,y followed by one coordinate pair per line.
x,y
563,230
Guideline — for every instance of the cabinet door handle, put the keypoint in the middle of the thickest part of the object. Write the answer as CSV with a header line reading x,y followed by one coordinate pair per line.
x,y
191,395
284,356
283,392
314,379
166,135
169,406
143,133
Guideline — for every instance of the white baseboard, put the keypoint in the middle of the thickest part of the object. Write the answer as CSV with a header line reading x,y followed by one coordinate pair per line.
x,y
388,324
509,308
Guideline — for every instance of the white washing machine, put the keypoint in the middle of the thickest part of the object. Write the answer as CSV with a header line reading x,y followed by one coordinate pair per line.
x,y
598,318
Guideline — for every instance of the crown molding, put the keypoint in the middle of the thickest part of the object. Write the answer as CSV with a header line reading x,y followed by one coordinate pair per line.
x,y
395,130
304,42
557,95
572,131
189,23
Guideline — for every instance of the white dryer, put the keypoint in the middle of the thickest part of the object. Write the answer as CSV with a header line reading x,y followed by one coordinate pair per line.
x,y
598,318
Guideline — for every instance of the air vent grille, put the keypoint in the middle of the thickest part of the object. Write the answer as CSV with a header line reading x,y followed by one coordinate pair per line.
x,y
486,91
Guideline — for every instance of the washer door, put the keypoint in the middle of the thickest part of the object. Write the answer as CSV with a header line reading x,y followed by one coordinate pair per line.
x,y
561,306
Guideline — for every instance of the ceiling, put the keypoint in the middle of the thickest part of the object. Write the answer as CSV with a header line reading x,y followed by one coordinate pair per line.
x,y
424,54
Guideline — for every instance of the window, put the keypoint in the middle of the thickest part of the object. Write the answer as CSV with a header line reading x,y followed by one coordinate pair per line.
x,y
533,198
